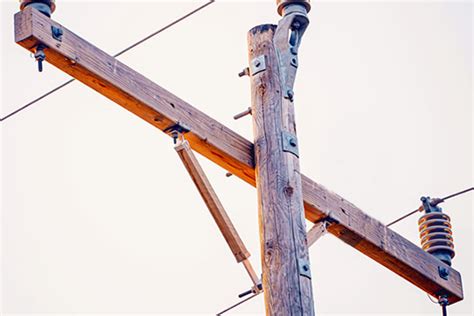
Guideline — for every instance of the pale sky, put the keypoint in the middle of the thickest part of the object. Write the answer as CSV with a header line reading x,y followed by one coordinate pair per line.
x,y
99,216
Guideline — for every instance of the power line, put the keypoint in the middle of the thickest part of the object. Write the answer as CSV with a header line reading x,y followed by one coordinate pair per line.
x,y
436,202
405,216
116,55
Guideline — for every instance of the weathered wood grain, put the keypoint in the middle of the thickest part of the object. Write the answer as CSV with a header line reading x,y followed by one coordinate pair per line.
x,y
317,231
212,201
231,151
284,251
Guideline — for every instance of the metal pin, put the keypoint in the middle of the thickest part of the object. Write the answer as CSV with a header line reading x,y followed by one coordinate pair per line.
x,y
242,114
245,72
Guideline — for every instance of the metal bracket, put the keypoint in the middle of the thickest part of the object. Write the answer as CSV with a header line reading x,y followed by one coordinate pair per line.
x,y
289,143
57,33
257,65
178,127
304,268
287,40
175,130
443,273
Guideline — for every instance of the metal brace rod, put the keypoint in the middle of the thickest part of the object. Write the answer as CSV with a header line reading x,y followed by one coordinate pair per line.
x,y
216,209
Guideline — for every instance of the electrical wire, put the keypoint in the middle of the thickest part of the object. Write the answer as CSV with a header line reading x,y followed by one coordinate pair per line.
x,y
405,216
437,201
456,194
116,55
432,300
237,304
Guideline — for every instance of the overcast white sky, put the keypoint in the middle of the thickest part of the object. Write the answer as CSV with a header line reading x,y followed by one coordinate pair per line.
x,y
99,216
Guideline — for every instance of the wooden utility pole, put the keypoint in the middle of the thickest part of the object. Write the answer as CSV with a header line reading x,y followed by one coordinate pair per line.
x,y
281,190
285,260
273,57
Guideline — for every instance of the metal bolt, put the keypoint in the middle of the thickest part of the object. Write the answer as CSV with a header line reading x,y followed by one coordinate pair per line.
x,y
292,142
242,114
40,56
244,72
257,63
175,135
290,94
296,25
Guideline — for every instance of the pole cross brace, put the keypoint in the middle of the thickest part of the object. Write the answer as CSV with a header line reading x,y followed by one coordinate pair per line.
x,y
216,209
317,231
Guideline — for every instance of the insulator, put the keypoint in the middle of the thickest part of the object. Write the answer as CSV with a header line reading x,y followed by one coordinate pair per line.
x,y
436,235
281,4
46,7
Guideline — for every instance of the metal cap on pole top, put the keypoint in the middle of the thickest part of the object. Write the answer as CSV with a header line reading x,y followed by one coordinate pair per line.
x,y
282,4
46,7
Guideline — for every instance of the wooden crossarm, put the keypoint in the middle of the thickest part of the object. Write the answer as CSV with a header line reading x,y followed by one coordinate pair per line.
x,y
157,106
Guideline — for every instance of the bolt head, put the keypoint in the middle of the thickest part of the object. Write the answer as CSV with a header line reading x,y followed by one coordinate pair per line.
x,y
296,25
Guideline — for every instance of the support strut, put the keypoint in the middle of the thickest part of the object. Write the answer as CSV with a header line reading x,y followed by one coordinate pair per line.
x,y
216,209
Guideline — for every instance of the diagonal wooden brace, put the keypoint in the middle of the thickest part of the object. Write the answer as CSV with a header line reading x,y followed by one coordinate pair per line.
x,y
234,153
215,207
317,231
